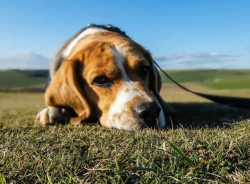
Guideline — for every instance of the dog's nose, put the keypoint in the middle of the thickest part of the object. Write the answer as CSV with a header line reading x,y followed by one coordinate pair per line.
x,y
148,112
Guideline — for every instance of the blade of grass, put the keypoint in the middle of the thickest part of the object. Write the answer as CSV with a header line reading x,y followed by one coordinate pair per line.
x,y
141,168
183,155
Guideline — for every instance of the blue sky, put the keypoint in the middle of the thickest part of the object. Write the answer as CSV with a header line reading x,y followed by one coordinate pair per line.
x,y
181,34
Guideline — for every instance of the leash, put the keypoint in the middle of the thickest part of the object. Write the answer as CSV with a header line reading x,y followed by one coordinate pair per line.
x,y
237,102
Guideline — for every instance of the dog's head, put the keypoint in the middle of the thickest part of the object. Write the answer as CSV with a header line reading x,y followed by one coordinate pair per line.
x,y
110,78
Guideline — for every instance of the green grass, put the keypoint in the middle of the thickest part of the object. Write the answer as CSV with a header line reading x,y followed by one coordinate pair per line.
x,y
215,79
236,83
15,79
214,137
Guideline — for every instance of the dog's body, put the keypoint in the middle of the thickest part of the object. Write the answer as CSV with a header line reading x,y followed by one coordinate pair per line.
x,y
101,74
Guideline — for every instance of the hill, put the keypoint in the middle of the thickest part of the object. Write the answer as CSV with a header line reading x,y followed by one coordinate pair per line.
x,y
17,79
214,79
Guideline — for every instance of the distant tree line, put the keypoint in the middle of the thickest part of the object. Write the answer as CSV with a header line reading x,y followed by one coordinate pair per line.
x,y
34,73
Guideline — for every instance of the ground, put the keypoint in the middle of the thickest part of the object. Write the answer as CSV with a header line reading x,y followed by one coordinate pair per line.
x,y
216,139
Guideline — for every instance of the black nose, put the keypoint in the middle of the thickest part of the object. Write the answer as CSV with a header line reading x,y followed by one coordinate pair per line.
x,y
148,112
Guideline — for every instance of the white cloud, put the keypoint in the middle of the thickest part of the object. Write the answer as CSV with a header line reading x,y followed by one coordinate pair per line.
x,y
55,38
185,60
55,48
24,60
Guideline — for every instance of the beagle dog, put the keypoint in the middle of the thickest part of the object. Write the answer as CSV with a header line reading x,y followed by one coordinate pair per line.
x,y
100,74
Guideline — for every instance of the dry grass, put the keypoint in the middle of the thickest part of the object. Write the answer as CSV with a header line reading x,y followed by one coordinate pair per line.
x,y
215,136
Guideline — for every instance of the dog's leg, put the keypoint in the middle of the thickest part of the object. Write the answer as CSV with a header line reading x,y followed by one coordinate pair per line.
x,y
52,115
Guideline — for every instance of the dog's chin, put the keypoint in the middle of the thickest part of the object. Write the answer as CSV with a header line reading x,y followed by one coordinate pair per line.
x,y
152,124
136,125
132,127
132,123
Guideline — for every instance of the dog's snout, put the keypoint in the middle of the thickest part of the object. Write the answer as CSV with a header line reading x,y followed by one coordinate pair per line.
x,y
148,112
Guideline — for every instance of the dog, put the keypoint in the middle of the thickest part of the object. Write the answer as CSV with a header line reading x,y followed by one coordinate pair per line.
x,y
100,74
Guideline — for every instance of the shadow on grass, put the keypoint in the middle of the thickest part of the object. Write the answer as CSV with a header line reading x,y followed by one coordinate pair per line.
x,y
198,115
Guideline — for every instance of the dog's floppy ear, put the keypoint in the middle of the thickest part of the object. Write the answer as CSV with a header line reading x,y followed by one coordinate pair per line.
x,y
65,91
155,87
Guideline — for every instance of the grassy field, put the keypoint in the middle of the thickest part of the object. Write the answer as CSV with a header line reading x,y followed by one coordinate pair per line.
x,y
214,79
214,137
15,79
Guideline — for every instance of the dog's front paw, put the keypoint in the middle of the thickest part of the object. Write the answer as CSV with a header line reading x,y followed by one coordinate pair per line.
x,y
51,115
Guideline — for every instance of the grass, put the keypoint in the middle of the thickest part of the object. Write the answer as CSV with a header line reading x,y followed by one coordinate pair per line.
x,y
214,137
215,79
234,83
16,79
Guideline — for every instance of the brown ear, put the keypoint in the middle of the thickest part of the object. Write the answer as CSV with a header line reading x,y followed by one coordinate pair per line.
x,y
65,91
155,86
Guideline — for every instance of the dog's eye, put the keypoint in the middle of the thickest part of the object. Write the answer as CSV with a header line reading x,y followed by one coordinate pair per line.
x,y
144,71
102,81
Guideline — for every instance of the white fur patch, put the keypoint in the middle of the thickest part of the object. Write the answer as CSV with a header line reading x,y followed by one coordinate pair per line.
x,y
120,61
118,107
83,34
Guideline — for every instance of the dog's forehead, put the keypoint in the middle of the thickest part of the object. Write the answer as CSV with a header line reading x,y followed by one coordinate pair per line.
x,y
103,48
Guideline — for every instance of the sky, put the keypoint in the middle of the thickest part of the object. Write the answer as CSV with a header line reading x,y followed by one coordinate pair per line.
x,y
180,34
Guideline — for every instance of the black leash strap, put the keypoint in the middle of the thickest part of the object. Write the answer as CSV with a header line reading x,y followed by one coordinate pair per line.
x,y
237,102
